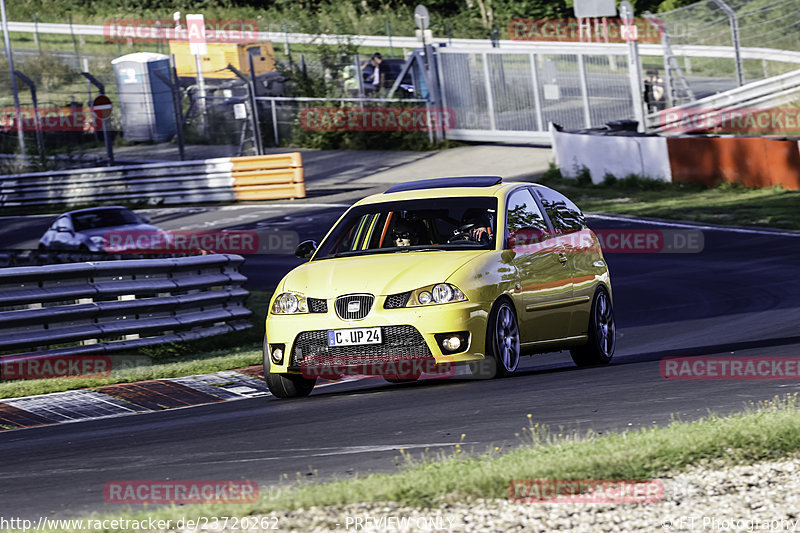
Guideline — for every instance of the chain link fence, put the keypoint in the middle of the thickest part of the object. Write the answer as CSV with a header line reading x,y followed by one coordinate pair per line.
x,y
764,24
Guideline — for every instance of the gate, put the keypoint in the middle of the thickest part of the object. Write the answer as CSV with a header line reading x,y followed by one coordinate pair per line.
x,y
512,95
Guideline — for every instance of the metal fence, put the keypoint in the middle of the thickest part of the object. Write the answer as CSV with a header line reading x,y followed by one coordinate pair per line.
x,y
512,95
749,25
84,308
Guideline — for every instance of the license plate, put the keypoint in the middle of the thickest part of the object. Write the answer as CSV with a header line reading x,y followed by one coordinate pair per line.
x,y
354,336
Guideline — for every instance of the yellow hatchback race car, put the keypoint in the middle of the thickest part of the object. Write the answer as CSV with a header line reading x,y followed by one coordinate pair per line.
x,y
437,273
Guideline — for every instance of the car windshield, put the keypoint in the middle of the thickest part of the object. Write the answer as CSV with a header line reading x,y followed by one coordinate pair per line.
x,y
104,218
412,225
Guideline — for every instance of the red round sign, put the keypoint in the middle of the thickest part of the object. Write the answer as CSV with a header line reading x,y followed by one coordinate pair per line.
x,y
101,107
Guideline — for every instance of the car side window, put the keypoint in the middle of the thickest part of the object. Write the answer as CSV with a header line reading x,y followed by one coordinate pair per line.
x,y
562,212
523,212
61,222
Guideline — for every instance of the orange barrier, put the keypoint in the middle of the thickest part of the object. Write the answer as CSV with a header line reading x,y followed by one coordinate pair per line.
x,y
268,177
751,161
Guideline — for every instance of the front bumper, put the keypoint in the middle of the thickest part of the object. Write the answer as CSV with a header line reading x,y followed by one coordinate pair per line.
x,y
408,334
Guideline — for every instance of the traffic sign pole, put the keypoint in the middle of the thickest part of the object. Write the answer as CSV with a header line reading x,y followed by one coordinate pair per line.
x,y
634,65
195,25
102,101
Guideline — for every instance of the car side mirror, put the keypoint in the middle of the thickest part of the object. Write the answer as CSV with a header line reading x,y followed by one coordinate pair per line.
x,y
306,249
146,220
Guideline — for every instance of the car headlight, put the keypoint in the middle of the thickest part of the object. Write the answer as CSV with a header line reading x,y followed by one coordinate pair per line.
x,y
289,303
441,293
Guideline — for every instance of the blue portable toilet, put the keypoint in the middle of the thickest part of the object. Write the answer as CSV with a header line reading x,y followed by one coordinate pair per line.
x,y
145,100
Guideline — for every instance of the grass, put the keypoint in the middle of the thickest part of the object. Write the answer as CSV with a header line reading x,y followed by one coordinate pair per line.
x,y
224,352
730,204
767,430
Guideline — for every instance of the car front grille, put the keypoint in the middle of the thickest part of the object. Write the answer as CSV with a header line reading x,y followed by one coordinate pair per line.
x,y
395,301
353,306
317,305
399,343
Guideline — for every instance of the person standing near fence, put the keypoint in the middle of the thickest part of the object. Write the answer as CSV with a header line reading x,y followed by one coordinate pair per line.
x,y
375,76
654,92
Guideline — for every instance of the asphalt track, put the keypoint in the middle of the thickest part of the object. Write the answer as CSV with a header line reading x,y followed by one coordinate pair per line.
x,y
739,296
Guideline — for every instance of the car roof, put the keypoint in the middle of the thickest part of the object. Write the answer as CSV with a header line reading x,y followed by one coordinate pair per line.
x,y
439,183
99,208
445,189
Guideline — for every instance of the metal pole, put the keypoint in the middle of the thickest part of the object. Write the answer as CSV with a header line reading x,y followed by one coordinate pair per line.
x,y
587,117
179,108
536,99
102,90
441,103
489,96
735,37
201,96
634,67
74,43
430,126
449,34
275,122
37,123
36,32
10,55
116,37
256,122
359,76
89,89
286,49
389,33
176,109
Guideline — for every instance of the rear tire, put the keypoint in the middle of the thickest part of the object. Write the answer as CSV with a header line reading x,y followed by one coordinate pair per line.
x,y
502,344
602,333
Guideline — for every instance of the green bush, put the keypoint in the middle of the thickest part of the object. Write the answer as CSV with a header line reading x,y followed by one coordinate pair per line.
x,y
584,177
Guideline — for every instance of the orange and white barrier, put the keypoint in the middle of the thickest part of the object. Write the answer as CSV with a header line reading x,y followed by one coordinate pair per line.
x,y
224,179
751,161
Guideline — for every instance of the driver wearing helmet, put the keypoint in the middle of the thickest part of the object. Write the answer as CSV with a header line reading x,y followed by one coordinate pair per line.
x,y
404,233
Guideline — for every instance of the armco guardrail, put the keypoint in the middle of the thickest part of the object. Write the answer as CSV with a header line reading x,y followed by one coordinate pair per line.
x,y
764,94
27,257
116,305
208,180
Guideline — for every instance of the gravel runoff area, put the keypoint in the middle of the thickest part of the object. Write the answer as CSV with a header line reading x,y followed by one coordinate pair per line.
x,y
760,497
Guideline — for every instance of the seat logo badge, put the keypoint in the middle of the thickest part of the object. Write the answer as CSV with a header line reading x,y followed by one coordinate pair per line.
x,y
353,306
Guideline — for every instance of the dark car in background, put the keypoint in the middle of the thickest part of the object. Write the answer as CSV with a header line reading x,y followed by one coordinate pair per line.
x,y
85,229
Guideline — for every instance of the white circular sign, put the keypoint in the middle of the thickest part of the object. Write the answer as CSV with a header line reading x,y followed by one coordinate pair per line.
x,y
421,17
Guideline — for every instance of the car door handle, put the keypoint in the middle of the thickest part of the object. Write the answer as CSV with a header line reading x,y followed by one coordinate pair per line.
x,y
562,257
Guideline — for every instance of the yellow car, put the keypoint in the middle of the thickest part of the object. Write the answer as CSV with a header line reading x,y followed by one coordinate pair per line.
x,y
437,273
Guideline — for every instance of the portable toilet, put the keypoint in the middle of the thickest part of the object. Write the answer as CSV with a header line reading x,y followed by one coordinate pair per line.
x,y
145,100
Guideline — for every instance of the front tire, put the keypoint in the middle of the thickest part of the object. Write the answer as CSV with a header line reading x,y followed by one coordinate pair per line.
x,y
289,385
502,344
285,385
602,333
